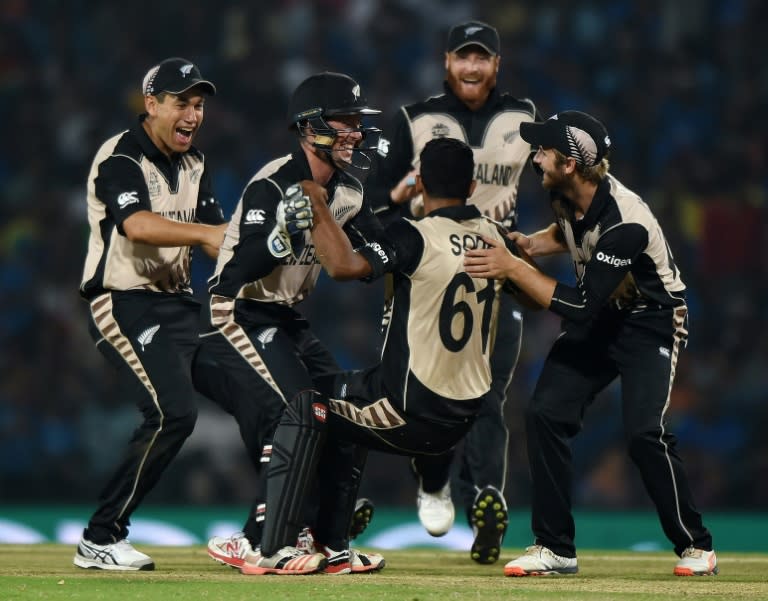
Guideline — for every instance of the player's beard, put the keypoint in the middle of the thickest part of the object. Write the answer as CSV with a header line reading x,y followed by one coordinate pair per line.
x,y
475,94
555,180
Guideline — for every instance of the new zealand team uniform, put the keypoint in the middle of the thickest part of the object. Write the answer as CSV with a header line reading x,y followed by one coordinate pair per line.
x,y
424,395
258,352
627,317
142,313
500,156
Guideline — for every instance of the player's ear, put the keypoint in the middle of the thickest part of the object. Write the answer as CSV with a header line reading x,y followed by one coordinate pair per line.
x,y
419,185
472,186
447,60
150,105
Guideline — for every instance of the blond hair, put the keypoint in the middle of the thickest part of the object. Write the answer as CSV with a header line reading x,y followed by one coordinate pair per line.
x,y
593,174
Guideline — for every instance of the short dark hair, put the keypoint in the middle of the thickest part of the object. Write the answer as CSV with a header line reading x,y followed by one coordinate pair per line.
x,y
447,168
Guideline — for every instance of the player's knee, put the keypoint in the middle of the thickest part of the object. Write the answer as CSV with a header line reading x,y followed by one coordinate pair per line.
x,y
537,412
640,442
180,418
541,417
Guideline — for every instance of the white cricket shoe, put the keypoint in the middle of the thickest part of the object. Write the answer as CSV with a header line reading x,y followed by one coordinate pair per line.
x,y
696,562
230,550
119,556
540,561
436,511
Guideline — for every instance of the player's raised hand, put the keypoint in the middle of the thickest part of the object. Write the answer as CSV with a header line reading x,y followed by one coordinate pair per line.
x,y
294,212
316,193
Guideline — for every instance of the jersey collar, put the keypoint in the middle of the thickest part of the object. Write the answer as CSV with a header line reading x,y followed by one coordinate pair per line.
x,y
457,213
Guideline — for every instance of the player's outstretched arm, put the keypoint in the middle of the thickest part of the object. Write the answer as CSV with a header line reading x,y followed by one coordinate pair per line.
x,y
548,241
149,228
498,263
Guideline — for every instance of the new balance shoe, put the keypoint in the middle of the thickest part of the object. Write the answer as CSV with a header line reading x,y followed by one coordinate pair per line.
x,y
489,518
229,550
288,560
119,556
436,511
361,518
351,561
540,561
696,562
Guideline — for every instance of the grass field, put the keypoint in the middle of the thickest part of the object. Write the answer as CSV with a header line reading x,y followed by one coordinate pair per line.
x,y
46,572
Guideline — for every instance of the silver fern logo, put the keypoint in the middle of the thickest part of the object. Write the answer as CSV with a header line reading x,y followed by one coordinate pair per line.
x,y
266,336
147,335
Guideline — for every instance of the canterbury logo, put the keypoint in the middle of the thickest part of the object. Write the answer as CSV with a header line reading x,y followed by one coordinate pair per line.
x,y
255,216
185,70
127,198
145,338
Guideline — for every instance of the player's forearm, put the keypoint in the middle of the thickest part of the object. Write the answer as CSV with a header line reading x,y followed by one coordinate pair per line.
x,y
548,241
537,286
333,248
148,228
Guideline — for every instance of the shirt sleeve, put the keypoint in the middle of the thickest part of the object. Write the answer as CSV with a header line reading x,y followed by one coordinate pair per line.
x,y
258,218
399,249
363,227
612,258
208,208
120,185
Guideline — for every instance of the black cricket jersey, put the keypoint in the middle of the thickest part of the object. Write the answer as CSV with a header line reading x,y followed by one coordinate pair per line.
x,y
493,133
251,272
130,174
436,355
620,255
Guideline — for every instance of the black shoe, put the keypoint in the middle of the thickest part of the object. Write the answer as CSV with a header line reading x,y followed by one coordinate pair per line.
x,y
490,518
361,518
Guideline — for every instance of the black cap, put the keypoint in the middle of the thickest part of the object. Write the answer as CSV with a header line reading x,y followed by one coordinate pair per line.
x,y
174,75
327,94
573,133
473,32
447,167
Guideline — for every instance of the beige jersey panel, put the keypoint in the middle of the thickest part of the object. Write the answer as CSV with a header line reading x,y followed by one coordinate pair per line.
x,y
133,265
463,373
295,277
499,161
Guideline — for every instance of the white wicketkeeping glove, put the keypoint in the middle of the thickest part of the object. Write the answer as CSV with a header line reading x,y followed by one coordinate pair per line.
x,y
294,217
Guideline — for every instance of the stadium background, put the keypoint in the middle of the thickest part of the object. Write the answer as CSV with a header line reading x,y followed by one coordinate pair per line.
x,y
682,87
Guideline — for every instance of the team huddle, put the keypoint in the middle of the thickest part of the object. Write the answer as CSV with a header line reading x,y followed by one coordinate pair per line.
x,y
436,220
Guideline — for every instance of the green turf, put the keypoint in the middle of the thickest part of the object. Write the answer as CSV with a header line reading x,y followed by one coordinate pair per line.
x,y
46,572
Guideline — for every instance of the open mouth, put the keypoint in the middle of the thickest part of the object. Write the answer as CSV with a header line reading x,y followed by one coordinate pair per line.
x,y
184,135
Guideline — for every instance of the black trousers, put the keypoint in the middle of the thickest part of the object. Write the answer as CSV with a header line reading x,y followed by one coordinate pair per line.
x,y
483,455
251,371
361,416
150,339
642,350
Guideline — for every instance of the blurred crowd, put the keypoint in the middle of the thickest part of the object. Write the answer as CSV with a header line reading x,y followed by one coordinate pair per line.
x,y
680,85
